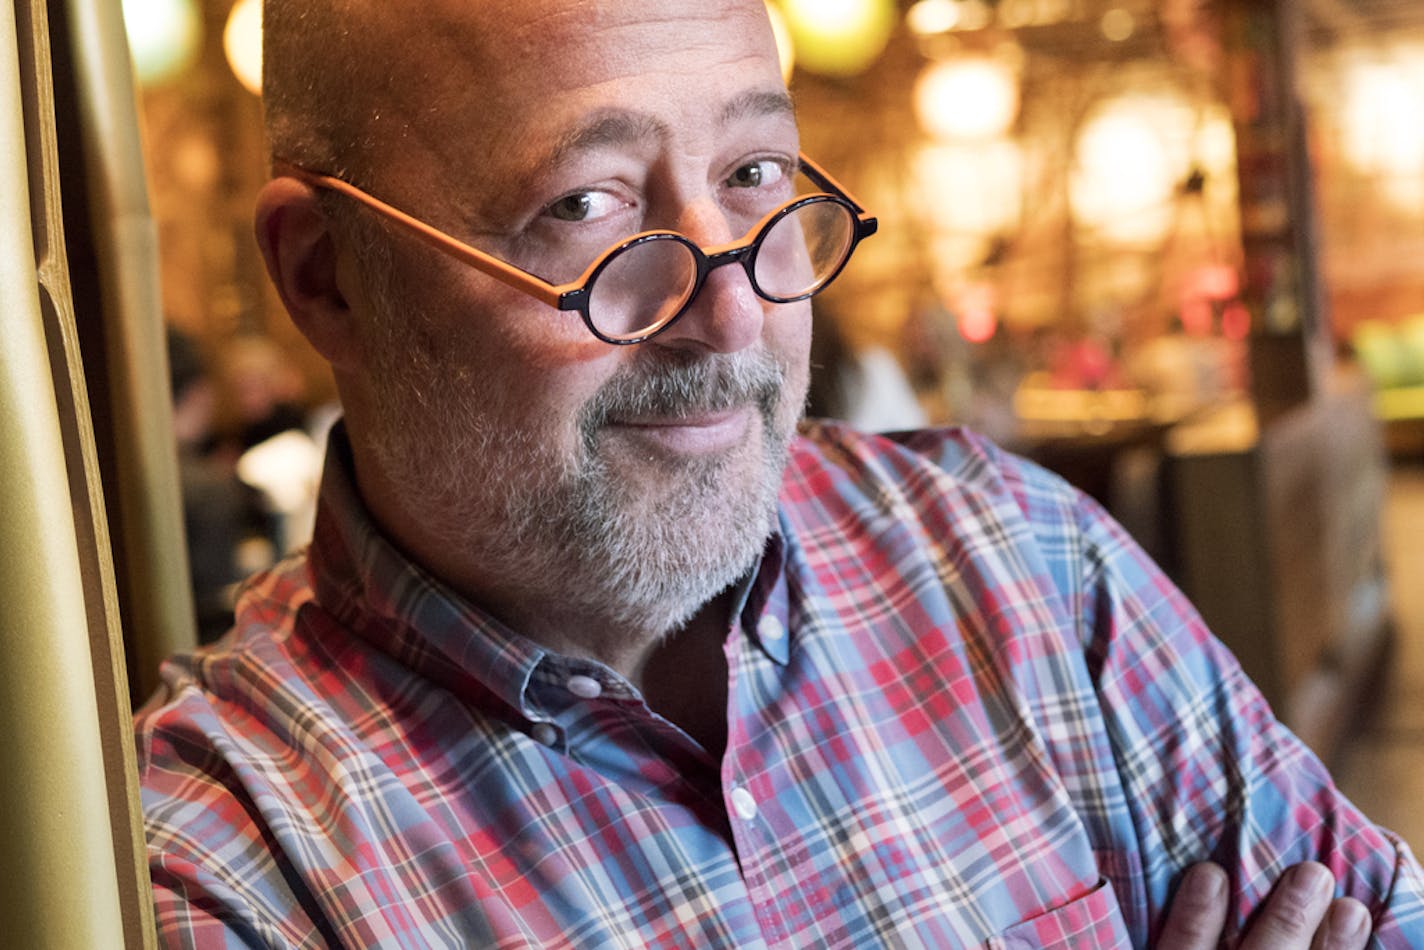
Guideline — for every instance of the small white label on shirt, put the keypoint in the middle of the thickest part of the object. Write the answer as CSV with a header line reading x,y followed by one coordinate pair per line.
x,y
744,804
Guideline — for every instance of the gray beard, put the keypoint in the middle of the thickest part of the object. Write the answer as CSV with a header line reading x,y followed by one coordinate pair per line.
x,y
570,533
649,556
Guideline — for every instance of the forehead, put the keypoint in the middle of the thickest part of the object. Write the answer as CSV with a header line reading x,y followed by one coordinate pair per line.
x,y
505,77
619,35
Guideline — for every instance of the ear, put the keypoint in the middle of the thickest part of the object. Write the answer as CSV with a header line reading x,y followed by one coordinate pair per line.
x,y
301,256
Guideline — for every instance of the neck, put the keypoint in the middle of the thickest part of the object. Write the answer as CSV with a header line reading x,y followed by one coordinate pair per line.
x,y
682,674
684,677
639,654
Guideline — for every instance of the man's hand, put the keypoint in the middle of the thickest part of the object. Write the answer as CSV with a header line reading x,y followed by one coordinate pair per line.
x,y
1299,914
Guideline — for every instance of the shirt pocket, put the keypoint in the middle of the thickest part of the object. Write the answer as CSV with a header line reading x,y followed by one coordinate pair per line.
x,y
1092,920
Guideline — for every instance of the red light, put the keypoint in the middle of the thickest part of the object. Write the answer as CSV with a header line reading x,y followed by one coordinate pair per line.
x,y
1235,321
978,324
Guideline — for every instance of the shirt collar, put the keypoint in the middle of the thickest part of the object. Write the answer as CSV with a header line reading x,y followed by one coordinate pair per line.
x,y
379,594
761,604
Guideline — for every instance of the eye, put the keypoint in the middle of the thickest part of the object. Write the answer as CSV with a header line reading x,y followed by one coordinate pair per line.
x,y
584,206
759,174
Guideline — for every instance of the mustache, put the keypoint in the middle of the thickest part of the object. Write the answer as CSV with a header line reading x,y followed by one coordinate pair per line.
x,y
680,385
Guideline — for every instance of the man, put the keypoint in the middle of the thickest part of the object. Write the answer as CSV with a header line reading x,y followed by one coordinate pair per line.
x,y
592,649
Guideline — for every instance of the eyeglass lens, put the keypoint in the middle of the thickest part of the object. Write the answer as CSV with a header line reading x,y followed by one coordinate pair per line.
x,y
648,283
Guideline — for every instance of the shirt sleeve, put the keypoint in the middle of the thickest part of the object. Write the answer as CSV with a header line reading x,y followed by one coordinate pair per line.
x,y
219,880
1207,771
190,915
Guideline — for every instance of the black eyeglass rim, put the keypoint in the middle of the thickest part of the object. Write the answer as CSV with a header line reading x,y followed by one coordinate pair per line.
x,y
861,227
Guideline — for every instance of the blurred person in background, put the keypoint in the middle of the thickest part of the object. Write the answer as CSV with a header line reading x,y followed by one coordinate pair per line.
x,y
223,519
266,392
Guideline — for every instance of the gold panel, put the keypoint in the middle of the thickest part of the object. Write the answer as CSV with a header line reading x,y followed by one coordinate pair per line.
x,y
151,557
74,865
61,885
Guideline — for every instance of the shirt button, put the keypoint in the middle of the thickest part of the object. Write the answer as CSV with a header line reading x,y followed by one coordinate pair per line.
x,y
584,687
545,734
770,628
744,804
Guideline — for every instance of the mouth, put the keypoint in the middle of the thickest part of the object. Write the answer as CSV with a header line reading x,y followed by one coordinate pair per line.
x,y
697,433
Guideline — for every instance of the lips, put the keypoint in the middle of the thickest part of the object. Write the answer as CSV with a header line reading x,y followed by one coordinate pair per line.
x,y
681,405
698,433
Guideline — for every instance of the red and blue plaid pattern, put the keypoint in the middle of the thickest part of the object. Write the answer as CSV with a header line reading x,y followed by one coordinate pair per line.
x,y
963,711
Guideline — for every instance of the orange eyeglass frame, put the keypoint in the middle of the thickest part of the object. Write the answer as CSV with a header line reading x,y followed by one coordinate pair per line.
x,y
574,294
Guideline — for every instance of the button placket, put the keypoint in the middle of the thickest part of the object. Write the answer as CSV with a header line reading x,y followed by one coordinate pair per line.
x,y
744,803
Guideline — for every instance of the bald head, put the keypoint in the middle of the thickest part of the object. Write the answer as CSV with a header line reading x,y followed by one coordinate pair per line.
x,y
332,72
350,85
320,80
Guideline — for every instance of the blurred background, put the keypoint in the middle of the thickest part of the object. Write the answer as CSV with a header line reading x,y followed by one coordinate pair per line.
x,y
1172,249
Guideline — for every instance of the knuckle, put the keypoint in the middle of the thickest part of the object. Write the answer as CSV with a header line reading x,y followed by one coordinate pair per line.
x,y
1296,908
1290,918
1195,931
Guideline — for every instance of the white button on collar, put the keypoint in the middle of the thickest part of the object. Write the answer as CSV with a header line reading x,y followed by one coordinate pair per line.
x,y
545,734
770,628
584,687
744,803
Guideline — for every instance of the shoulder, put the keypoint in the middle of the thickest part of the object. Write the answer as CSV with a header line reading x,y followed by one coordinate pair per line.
x,y
233,754
266,613
248,697
946,471
952,507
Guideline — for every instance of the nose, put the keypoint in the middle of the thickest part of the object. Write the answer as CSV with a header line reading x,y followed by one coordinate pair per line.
x,y
726,315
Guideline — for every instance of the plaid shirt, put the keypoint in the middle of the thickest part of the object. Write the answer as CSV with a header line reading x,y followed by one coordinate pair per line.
x,y
964,710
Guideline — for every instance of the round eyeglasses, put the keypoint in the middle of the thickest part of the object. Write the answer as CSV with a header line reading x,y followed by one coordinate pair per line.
x,y
640,286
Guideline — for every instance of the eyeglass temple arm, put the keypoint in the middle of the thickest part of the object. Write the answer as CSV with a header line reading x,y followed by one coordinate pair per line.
x,y
544,291
823,180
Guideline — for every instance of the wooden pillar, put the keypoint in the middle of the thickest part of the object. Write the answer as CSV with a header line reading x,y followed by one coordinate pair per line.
x,y
1290,348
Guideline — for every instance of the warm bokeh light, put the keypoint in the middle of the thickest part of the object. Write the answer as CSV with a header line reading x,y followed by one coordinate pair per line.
x,y
242,42
1235,321
1383,123
970,189
164,37
929,17
1131,157
785,47
1203,291
978,316
1121,183
839,37
1118,24
967,99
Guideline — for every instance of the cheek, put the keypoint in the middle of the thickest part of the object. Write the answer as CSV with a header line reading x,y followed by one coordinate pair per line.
x,y
530,334
787,334
501,340
541,395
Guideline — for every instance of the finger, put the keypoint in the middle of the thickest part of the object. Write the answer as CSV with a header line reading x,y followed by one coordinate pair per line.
x,y
1294,910
1347,926
1198,911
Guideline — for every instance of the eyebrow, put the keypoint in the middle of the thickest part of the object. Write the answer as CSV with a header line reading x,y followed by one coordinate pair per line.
x,y
756,104
623,126
616,127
